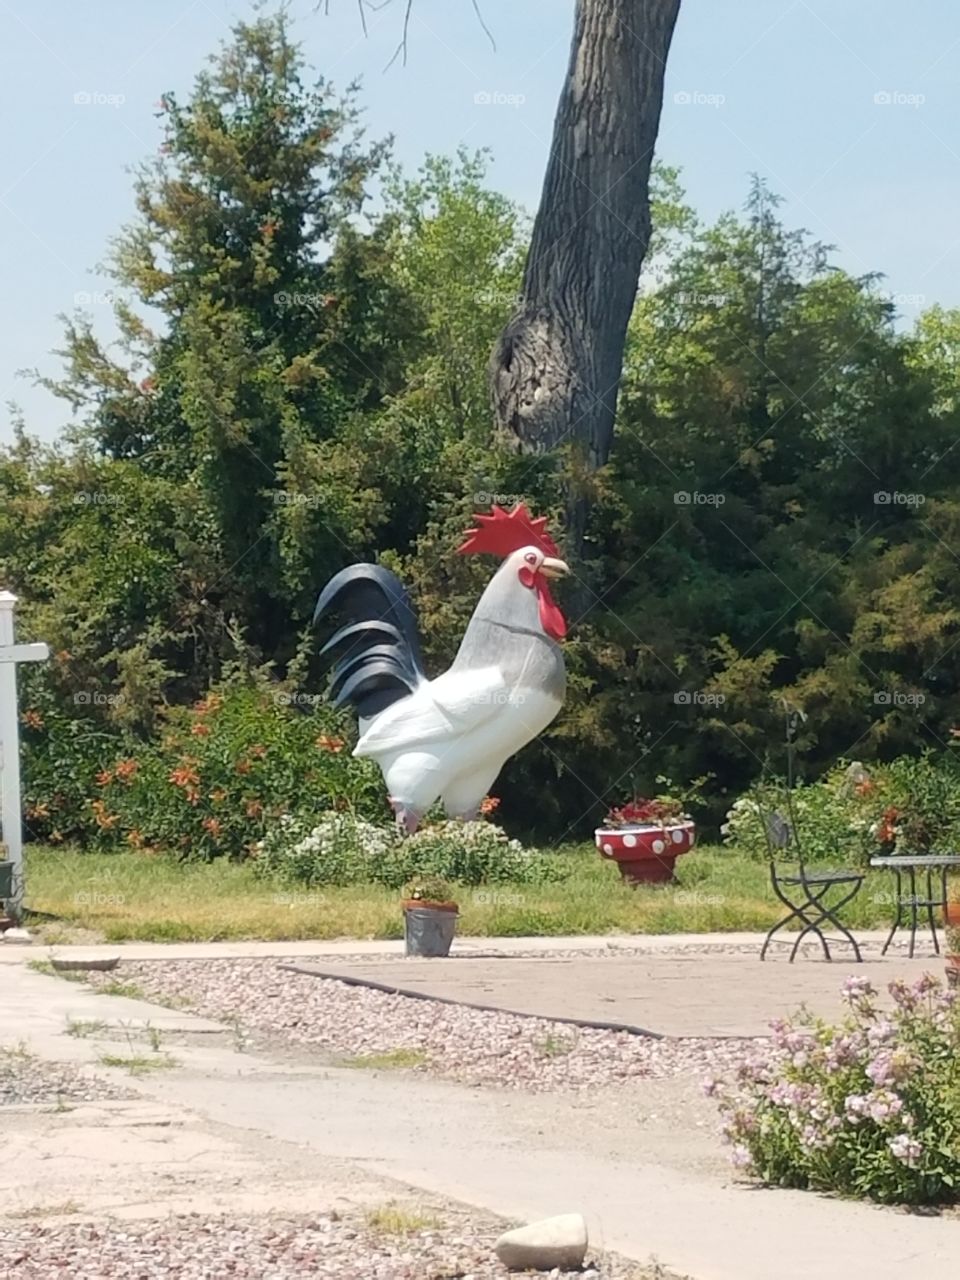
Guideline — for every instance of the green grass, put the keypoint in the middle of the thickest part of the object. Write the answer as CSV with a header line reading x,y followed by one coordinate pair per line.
x,y
84,1028
136,1064
393,1219
131,896
389,1060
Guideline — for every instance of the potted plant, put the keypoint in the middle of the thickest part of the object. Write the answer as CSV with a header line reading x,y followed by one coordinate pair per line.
x,y
645,837
429,916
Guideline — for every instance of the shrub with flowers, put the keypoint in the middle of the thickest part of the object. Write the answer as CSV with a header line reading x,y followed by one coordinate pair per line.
x,y
867,1108
338,849
342,849
911,805
212,782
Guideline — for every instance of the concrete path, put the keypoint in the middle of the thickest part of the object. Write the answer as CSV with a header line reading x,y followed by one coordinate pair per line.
x,y
13,953
640,1161
685,994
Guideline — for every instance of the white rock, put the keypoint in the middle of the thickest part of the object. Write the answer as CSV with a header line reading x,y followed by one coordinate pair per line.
x,y
17,935
551,1242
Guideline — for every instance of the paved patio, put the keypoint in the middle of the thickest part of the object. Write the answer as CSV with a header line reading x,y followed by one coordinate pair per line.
x,y
683,993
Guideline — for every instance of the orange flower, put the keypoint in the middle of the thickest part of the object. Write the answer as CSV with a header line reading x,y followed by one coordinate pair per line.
x,y
489,804
212,702
32,719
184,776
254,808
104,778
326,743
135,838
56,837
63,656
218,796
258,750
192,794
212,825
243,766
126,770
200,730
38,811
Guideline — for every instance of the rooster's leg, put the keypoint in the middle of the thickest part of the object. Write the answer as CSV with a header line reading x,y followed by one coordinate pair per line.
x,y
407,819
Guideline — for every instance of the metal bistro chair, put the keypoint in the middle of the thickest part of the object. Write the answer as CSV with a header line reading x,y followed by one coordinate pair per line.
x,y
804,893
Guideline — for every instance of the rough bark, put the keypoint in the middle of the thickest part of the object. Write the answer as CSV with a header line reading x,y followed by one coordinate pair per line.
x,y
556,368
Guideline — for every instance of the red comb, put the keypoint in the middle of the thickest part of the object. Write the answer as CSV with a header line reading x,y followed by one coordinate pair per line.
x,y
503,532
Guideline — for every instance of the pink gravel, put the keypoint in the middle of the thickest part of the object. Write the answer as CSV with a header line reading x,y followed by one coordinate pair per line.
x,y
473,1046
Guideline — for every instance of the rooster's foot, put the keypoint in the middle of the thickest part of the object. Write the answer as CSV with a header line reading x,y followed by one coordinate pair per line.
x,y
407,819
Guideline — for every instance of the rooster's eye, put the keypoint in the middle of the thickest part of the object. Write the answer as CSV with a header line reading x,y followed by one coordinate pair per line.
x,y
530,557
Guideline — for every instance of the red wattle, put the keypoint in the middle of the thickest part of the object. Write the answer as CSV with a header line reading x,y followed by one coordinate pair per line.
x,y
551,619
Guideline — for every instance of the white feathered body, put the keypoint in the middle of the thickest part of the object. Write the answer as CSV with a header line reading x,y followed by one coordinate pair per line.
x,y
451,736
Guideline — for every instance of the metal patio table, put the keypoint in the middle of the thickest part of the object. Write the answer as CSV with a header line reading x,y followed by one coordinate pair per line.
x,y
933,867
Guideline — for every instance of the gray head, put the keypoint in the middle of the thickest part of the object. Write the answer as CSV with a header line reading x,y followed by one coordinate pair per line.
x,y
519,596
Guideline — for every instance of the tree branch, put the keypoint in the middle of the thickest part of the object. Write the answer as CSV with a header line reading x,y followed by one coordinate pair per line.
x,y
401,49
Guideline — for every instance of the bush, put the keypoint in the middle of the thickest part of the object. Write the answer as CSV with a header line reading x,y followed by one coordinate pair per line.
x,y
216,778
869,1108
828,818
911,805
342,849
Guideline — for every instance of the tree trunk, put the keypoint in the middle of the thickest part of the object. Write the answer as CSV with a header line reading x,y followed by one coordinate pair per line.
x,y
556,368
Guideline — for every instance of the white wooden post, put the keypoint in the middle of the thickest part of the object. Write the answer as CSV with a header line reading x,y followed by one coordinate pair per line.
x,y
11,825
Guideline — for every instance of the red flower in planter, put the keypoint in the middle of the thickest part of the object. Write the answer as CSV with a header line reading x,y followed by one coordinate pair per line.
x,y
640,811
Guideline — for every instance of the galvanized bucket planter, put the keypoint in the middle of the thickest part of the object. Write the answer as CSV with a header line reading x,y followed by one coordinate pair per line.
x,y
429,927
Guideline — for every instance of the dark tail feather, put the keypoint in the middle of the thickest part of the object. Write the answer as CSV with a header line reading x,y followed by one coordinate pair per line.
x,y
378,651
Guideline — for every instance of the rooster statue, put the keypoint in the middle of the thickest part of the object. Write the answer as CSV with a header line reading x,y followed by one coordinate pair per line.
x,y
448,738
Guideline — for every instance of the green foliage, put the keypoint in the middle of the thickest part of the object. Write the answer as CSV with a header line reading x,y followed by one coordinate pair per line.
x,y
867,1108
428,889
909,806
211,783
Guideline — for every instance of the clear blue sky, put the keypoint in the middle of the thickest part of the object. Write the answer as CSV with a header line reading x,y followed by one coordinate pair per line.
x,y
784,87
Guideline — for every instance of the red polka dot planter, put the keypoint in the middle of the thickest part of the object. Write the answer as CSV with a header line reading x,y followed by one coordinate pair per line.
x,y
646,853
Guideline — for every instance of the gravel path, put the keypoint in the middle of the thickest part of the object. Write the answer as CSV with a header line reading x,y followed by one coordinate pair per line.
x,y
25,1079
361,1025
199,1248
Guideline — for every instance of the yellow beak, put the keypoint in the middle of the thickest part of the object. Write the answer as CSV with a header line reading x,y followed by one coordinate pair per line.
x,y
552,568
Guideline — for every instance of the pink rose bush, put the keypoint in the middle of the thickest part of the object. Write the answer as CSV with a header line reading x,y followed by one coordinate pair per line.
x,y
868,1108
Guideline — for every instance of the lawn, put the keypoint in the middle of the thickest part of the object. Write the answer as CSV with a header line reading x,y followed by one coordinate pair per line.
x,y
135,896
